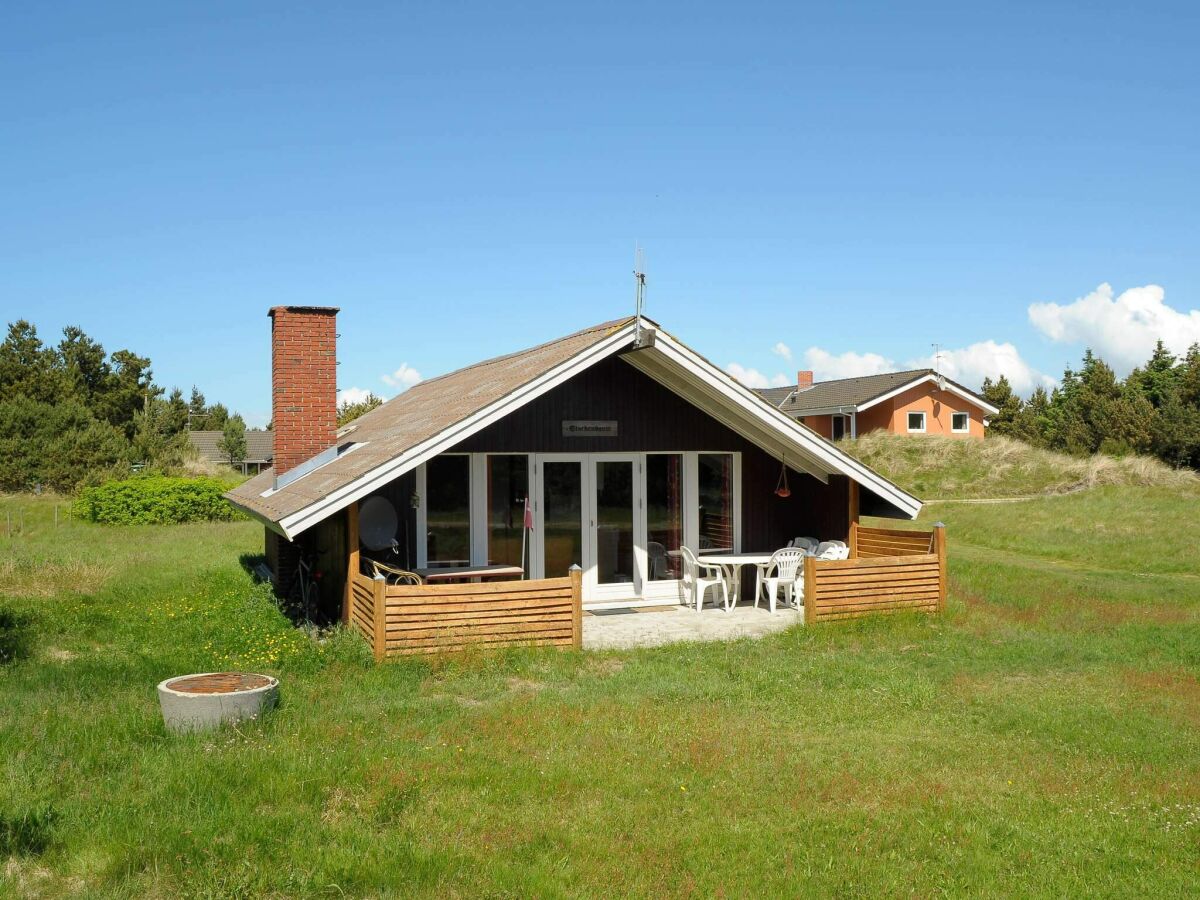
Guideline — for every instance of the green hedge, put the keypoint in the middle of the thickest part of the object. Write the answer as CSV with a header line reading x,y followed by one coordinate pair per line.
x,y
155,500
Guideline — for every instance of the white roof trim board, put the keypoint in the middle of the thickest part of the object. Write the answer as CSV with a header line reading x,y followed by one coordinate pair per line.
x,y
667,361
895,392
810,445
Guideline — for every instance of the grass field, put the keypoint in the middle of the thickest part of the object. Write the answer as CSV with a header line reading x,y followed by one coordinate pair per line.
x,y
1040,738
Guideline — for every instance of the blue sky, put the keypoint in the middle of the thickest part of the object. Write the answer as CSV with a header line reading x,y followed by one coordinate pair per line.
x,y
854,183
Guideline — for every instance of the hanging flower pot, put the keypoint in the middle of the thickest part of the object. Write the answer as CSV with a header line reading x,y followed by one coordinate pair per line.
x,y
781,488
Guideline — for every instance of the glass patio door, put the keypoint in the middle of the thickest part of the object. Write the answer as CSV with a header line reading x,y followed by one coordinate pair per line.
x,y
559,517
616,532
588,513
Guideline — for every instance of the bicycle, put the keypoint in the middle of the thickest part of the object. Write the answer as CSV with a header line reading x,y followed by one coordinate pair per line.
x,y
304,596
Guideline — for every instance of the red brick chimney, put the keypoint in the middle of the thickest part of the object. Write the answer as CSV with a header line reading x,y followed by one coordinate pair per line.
x,y
303,382
803,380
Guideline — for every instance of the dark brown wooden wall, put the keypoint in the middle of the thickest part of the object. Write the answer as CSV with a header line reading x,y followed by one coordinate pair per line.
x,y
650,417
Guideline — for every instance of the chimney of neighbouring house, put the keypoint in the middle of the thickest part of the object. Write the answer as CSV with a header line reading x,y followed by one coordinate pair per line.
x,y
303,382
803,380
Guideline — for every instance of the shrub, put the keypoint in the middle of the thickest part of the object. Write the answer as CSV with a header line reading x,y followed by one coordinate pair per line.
x,y
155,500
14,636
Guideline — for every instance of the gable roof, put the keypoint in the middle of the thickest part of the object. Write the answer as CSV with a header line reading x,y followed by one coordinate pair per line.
x,y
437,414
259,445
861,393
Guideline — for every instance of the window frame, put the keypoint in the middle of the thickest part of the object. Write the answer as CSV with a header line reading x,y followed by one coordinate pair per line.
x,y
924,422
966,429
423,510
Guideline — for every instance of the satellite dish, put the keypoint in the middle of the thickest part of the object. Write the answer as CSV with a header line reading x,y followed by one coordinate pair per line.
x,y
377,523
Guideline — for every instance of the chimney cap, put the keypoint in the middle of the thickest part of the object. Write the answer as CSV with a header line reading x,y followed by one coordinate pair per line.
x,y
318,310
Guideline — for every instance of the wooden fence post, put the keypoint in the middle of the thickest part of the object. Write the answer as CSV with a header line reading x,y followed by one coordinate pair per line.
x,y
939,547
379,641
810,589
576,575
352,558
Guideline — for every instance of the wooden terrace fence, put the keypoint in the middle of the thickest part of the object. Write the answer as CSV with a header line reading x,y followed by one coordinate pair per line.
x,y
399,620
888,571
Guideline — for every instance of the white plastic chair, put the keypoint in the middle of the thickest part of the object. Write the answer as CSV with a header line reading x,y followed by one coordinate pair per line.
x,y
699,576
660,566
833,550
783,572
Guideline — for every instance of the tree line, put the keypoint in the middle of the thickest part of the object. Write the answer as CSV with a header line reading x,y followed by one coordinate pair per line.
x,y
1154,410
73,414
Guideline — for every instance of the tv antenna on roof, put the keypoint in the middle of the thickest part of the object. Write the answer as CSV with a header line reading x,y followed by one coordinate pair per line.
x,y
937,366
639,277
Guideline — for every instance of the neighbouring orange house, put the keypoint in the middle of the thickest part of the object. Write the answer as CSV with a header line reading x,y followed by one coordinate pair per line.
x,y
920,401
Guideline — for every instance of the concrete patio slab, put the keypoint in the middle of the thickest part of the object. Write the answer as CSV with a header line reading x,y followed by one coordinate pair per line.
x,y
654,626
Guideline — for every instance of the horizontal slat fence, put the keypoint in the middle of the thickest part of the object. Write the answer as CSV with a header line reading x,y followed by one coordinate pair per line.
x,y
362,606
426,618
869,542
912,576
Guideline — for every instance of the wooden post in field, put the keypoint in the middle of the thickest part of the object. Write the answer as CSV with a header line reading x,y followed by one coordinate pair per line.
x,y
352,559
810,589
939,547
576,575
379,641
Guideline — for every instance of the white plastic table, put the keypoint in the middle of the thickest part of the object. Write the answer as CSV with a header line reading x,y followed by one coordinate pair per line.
x,y
732,563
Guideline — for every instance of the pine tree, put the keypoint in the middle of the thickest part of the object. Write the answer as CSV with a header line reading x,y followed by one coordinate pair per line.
x,y
233,440
1158,379
1033,421
348,412
1000,395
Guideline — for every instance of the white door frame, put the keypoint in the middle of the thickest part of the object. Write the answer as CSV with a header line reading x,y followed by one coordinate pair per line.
x,y
607,593
595,595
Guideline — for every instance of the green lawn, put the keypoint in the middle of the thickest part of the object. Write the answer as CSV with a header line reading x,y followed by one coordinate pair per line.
x,y
1042,737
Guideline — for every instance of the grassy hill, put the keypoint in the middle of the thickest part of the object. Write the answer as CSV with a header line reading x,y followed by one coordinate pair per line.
x,y
1041,737
940,468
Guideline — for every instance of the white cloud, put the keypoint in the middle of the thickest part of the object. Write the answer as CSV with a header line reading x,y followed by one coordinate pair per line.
x,y
827,367
1123,329
986,359
782,349
752,378
352,395
403,378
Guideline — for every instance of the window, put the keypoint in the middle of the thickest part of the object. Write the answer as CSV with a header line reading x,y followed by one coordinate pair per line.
x,y
916,421
715,480
960,422
664,514
448,511
839,427
507,491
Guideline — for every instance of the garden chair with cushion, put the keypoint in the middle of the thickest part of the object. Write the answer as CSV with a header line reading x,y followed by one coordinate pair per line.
x,y
833,550
807,544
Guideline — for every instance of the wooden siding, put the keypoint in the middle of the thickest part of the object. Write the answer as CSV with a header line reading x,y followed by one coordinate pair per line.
x,y
651,418
905,579
401,620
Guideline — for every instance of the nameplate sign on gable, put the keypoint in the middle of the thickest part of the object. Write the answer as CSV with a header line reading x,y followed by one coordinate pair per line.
x,y
578,428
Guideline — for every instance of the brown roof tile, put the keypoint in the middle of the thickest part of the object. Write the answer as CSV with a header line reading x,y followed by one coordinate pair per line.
x,y
420,413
